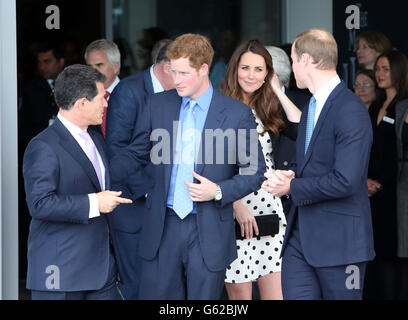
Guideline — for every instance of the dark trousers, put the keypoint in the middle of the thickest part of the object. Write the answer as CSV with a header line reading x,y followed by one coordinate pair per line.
x,y
301,281
129,260
108,292
178,271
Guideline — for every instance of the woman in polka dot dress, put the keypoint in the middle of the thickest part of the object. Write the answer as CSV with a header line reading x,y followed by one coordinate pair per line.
x,y
248,79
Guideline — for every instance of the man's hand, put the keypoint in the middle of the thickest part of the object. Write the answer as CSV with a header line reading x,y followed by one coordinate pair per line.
x,y
278,183
373,187
203,191
109,200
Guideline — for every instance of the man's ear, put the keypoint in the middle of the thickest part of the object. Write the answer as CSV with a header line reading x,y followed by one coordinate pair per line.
x,y
204,70
166,67
62,63
80,103
116,67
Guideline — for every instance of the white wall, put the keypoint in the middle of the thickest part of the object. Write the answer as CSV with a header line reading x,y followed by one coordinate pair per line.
x,y
300,15
8,153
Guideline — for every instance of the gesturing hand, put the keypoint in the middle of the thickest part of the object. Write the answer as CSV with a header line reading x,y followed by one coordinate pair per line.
x,y
109,200
203,191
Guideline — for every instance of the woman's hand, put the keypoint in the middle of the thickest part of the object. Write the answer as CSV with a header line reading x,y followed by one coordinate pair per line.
x,y
275,84
245,219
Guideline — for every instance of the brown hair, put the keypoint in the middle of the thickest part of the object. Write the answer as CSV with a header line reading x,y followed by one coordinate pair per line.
x,y
375,40
399,72
195,47
320,45
263,101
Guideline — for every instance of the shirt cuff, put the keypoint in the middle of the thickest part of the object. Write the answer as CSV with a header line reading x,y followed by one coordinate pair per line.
x,y
93,206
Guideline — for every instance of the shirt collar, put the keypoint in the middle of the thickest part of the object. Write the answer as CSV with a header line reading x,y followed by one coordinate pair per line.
x,y
323,93
157,87
113,85
203,101
72,128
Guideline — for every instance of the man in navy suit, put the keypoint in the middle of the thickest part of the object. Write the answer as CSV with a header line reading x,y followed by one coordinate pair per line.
x,y
125,108
199,140
71,252
329,237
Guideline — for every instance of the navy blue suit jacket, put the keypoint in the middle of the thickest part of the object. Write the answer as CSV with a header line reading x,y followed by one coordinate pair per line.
x,y
58,177
126,105
330,190
215,220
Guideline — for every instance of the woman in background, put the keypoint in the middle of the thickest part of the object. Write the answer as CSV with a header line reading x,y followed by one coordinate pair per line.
x,y
365,86
391,71
248,79
370,45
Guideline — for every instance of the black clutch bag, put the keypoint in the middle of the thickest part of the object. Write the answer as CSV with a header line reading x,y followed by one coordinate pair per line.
x,y
268,225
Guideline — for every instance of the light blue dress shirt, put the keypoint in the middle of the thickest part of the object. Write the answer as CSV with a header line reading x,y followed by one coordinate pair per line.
x,y
200,116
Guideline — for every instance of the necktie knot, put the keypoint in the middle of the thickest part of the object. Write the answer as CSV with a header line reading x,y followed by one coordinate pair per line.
x,y
191,105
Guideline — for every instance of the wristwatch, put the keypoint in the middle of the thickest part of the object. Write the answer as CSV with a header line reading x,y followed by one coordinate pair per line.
x,y
218,193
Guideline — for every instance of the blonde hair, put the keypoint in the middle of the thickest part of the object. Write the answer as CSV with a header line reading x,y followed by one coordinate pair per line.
x,y
320,45
195,47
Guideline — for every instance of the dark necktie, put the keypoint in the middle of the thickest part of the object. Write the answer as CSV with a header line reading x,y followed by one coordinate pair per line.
x,y
103,125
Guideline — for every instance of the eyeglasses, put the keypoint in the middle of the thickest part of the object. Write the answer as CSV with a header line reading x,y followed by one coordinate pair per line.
x,y
363,85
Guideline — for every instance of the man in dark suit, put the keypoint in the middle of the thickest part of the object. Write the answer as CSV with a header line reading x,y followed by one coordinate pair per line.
x,y
70,247
188,236
329,238
104,56
125,108
284,146
38,102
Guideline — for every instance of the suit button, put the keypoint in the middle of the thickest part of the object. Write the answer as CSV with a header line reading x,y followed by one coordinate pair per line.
x,y
285,163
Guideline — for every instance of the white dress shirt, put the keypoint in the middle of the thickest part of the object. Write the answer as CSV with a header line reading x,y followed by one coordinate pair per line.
x,y
322,94
112,87
75,132
157,87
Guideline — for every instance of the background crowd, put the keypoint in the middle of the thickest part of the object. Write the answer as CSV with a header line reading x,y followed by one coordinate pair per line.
x,y
381,82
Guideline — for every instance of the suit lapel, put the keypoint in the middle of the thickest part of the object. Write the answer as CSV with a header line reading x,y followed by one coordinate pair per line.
x,y
71,146
320,122
215,119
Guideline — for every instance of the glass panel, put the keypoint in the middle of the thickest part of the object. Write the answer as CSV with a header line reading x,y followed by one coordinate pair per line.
x,y
139,24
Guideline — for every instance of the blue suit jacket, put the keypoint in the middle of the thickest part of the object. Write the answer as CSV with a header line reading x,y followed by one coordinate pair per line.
x,y
330,190
58,177
125,107
215,220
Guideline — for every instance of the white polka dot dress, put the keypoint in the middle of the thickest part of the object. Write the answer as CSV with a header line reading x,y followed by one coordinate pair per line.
x,y
258,257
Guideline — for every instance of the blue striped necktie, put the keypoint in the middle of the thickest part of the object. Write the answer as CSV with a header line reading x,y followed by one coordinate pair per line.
x,y
310,122
182,204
